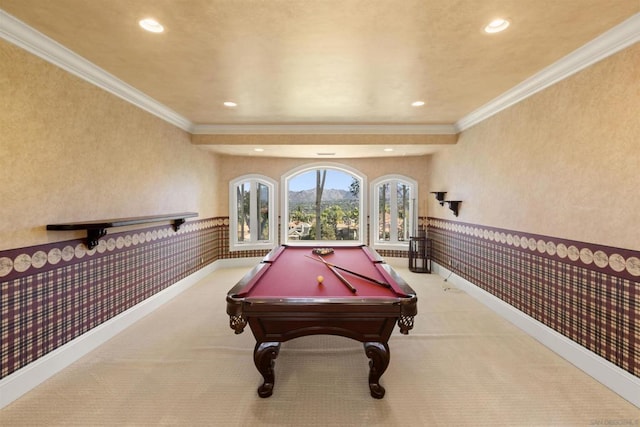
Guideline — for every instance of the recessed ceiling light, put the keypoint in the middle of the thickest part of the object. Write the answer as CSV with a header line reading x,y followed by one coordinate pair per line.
x,y
230,104
259,150
497,25
388,150
151,25
417,103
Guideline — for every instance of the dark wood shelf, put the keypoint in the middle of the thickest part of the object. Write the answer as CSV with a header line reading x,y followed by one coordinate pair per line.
x,y
97,229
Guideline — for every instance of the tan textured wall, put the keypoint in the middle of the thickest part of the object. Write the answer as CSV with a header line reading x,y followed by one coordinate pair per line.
x,y
564,162
232,167
70,151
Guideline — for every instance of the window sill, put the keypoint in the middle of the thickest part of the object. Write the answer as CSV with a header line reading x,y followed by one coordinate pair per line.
x,y
392,246
324,243
251,246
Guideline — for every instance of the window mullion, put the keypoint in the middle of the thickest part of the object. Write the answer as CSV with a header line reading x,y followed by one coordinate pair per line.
x,y
253,213
393,212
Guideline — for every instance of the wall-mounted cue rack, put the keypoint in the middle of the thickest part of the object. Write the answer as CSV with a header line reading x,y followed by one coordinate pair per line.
x,y
454,205
98,229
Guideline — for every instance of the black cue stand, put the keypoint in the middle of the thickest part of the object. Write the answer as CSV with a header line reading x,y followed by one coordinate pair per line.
x,y
420,253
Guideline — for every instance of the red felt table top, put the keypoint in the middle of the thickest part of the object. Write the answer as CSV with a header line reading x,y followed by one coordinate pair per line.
x,y
290,273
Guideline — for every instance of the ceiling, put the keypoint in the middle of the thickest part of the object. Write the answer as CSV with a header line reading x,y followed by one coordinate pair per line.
x,y
322,67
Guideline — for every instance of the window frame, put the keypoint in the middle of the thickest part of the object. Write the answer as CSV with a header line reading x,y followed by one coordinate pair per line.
x,y
253,243
362,223
394,244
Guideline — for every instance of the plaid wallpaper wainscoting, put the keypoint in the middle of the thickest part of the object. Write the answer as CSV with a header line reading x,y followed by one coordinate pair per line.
x,y
587,292
53,293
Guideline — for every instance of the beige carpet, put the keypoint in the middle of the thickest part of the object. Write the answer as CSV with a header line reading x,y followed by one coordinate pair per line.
x,y
462,365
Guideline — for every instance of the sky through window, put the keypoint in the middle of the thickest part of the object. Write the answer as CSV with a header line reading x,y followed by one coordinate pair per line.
x,y
337,180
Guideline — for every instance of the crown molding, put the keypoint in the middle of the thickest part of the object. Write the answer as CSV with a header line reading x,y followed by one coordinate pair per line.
x,y
608,43
612,41
20,34
252,129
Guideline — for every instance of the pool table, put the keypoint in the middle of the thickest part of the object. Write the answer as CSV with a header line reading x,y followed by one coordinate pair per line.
x,y
358,297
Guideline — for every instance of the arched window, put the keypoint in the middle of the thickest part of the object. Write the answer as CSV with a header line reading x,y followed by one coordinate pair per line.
x,y
393,216
323,202
253,208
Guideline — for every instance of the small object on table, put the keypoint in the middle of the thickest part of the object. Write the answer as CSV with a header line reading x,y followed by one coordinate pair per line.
x,y
320,280
322,251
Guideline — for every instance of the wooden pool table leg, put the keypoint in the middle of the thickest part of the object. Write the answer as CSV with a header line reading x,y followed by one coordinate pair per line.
x,y
264,356
378,353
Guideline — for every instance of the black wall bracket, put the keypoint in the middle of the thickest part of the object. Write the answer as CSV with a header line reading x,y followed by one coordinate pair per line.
x,y
439,196
454,206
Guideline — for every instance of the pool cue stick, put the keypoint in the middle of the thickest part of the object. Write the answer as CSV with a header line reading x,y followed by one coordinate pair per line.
x,y
371,279
338,275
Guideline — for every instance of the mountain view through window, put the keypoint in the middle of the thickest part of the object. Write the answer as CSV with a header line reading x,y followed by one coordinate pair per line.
x,y
333,197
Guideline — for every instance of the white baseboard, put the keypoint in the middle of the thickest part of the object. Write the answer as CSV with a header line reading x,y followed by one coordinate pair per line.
x,y
23,380
615,378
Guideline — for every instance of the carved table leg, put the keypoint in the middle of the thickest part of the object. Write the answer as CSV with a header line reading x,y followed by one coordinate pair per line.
x,y
264,357
378,353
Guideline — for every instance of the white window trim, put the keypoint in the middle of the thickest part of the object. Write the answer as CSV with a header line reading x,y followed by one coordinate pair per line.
x,y
234,244
413,205
361,207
